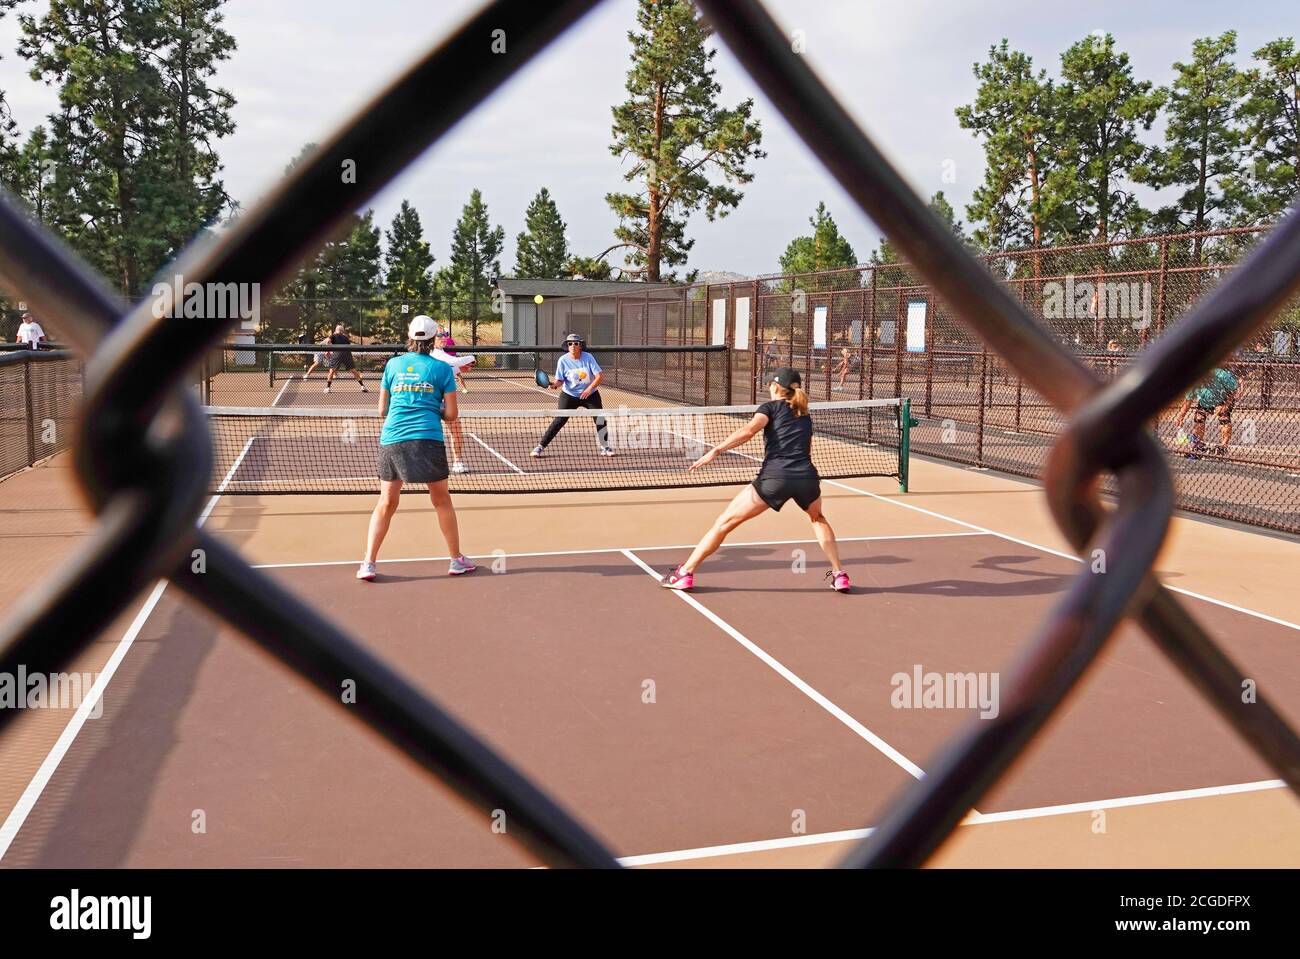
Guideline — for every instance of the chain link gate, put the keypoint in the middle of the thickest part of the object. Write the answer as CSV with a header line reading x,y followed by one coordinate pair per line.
x,y
142,453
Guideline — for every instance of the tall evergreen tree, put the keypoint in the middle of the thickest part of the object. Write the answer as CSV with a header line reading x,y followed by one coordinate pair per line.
x,y
306,282
134,130
1101,111
347,270
475,254
407,278
197,114
1014,113
32,176
825,249
677,136
542,250
1271,113
1202,142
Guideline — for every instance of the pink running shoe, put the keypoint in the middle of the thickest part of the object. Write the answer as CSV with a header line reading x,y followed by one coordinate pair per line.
x,y
677,579
839,581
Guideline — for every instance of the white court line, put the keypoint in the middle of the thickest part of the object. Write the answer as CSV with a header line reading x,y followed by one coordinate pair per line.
x,y
1056,552
788,675
495,453
32,794
618,549
1041,812
276,401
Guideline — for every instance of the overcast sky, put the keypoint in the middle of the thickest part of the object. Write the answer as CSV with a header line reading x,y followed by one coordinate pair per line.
x,y
901,69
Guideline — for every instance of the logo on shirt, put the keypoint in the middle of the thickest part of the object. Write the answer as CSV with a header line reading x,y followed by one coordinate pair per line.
x,y
410,369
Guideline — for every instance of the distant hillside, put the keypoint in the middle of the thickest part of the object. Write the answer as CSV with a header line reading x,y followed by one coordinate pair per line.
x,y
720,276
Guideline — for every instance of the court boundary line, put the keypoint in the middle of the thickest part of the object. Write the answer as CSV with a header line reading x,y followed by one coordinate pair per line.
x,y
35,788
475,438
616,549
973,819
791,677
1055,552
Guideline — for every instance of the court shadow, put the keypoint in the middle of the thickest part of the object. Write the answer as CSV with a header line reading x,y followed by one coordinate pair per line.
x,y
103,791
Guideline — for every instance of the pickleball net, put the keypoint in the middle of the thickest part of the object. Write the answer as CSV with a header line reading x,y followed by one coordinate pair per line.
x,y
288,450
278,374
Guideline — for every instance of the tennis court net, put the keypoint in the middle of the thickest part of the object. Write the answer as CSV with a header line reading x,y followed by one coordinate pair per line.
x,y
277,374
278,450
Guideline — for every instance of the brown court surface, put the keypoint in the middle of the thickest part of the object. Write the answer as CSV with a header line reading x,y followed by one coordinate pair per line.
x,y
771,741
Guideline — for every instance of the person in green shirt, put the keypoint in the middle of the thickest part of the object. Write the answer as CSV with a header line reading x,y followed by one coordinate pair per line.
x,y
1216,394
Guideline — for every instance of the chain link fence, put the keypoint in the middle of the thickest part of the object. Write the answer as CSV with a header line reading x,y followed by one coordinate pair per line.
x,y
881,331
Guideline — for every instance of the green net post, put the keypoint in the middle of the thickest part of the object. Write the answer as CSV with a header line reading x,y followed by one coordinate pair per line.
x,y
905,423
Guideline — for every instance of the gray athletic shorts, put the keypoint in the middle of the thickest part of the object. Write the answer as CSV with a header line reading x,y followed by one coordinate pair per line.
x,y
413,461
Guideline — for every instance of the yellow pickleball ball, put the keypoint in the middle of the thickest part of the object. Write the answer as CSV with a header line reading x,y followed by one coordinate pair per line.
x,y
538,299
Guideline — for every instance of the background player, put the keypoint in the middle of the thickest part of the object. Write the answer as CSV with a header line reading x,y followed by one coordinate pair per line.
x,y
1216,394
578,377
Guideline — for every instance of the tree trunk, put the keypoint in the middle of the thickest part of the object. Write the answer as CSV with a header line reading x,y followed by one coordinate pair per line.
x,y
654,227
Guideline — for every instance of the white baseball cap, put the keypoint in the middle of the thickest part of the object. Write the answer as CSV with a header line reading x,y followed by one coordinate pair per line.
x,y
422,328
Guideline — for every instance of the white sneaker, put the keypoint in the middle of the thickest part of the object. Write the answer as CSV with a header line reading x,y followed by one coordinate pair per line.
x,y
366,571
606,451
304,377
459,467
537,451
327,389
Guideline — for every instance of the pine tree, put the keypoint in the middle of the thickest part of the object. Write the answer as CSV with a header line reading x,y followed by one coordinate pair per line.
x,y
197,114
135,124
1014,114
1202,142
541,250
1271,113
677,135
1102,108
475,251
825,249
407,280
348,272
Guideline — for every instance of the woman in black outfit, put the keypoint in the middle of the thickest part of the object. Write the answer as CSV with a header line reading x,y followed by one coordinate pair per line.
x,y
341,359
787,473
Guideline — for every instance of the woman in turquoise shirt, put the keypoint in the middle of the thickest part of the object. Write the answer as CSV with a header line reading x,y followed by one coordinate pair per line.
x,y
418,395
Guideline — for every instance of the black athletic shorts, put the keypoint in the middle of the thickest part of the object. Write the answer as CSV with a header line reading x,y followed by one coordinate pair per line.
x,y
413,461
804,488
341,360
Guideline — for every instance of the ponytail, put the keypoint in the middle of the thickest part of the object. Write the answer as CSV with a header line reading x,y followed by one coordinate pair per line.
x,y
796,398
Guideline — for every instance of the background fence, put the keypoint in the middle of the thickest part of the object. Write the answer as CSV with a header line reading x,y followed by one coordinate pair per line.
x,y
377,320
40,393
879,331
